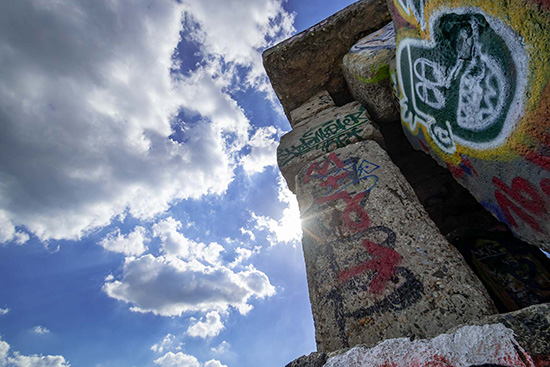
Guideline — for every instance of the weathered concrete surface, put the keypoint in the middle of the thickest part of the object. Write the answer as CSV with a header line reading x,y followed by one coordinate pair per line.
x,y
310,62
312,360
319,102
488,345
323,133
531,327
474,79
366,68
376,265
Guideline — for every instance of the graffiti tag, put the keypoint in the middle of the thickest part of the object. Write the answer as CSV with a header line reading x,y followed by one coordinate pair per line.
x,y
466,85
335,178
328,136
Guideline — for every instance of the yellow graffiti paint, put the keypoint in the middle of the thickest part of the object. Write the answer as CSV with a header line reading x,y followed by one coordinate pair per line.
x,y
532,24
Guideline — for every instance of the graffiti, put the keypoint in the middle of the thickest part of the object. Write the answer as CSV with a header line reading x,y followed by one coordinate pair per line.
x,y
416,7
331,171
466,85
381,39
328,136
523,199
464,167
516,274
381,271
383,263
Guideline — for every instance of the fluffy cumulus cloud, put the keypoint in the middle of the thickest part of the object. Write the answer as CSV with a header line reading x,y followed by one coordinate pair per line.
x,y
174,243
169,286
263,150
4,311
185,276
184,360
208,327
164,345
177,360
89,99
131,244
237,39
15,359
214,363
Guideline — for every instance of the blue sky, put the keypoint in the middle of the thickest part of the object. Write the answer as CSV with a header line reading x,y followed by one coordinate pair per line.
x,y
143,220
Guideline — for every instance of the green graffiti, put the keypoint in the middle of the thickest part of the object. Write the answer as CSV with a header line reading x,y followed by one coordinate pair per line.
x,y
467,85
382,73
328,136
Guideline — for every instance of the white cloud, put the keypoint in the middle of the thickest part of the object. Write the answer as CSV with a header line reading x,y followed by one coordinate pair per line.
x,y
130,244
87,99
8,232
263,150
4,349
18,360
174,243
169,286
214,363
288,229
4,311
164,345
238,38
184,360
177,360
206,328
40,330
223,348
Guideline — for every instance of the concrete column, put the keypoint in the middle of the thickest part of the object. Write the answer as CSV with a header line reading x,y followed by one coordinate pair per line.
x,y
377,267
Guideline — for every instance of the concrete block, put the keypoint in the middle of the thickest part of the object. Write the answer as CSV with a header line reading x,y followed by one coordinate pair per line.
x,y
474,89
310,61
312,107
377,267
329,130
469,346
366,68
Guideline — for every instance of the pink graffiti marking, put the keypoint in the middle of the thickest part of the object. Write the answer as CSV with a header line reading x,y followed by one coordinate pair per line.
x,y
384,261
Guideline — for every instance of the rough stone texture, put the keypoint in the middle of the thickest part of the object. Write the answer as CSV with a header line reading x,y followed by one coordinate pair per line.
x,y
313,106
531,327
475,94
366,68
312,360
327,131
377,267
310,62
487,345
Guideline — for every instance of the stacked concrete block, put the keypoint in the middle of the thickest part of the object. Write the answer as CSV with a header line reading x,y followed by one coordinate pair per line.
x,y
319,102
322,133
474,90
310,61
366,68
377,267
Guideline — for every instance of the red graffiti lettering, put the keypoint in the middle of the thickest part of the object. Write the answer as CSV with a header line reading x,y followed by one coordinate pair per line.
x,y
362,220
325,166
545,186
384,261
508,206
539,159
524,193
